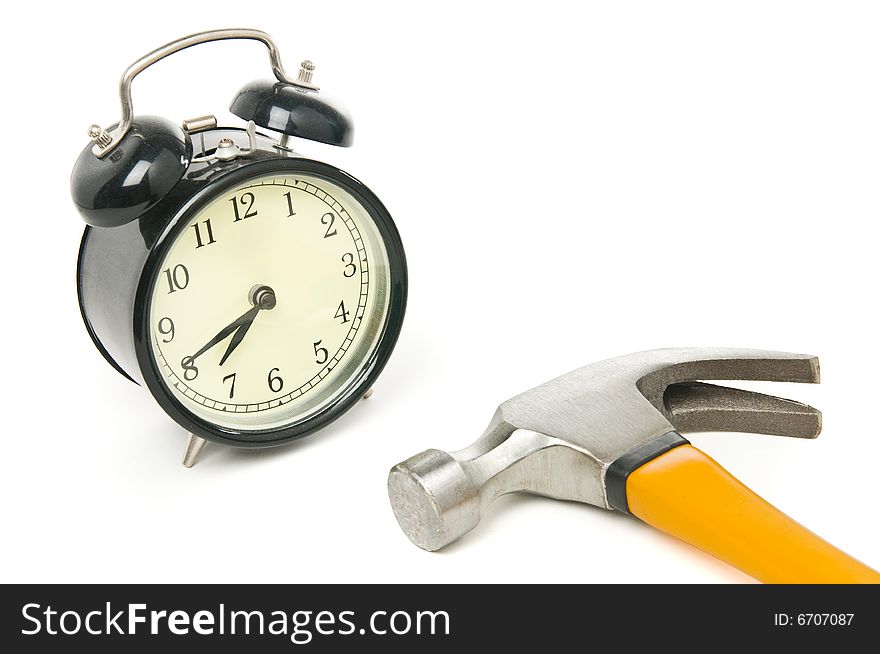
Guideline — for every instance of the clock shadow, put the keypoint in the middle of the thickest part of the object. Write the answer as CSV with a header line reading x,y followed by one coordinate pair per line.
x,y
228,455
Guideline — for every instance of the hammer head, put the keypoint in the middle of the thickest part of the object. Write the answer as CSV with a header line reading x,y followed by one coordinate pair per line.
x,y
558,439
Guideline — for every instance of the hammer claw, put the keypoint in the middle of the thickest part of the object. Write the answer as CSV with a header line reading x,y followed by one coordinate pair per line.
x,y
697,407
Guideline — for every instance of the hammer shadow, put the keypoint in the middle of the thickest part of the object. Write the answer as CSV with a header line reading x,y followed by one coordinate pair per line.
x,y
506,506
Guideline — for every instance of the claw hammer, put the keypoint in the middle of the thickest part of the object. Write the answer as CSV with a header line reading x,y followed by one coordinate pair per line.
x,y
609,435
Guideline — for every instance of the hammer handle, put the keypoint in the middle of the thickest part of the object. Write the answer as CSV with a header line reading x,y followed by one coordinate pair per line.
x,y
686,494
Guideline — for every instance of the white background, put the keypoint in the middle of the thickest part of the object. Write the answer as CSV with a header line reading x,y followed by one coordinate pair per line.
x,y
570,184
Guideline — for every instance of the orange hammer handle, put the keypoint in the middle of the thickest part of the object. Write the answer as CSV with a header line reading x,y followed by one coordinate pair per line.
x,y
686,494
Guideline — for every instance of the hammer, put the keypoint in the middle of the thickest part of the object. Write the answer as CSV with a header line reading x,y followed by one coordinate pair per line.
x,y
609,435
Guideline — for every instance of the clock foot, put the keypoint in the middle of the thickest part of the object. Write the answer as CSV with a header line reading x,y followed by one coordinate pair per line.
x,y
368,394
194,446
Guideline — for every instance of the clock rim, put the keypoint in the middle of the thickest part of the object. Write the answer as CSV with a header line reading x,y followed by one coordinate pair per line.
x,y
371,367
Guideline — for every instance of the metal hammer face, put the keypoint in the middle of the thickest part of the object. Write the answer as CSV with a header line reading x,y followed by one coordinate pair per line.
x,y
577,437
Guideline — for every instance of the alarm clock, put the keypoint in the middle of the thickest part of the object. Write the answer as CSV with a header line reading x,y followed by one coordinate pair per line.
x,y
256,293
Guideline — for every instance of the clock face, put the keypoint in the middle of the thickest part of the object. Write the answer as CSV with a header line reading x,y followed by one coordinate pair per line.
x,y
270,302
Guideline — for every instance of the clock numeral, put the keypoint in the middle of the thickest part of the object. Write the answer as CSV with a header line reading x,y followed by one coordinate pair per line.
x,y
290,211
350,266
190,372
247,202
231,388
321,353
166,328
328,219
342,313
275,382
210,233
177,277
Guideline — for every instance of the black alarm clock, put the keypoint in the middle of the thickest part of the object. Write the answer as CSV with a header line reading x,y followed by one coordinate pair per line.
x,y
256,293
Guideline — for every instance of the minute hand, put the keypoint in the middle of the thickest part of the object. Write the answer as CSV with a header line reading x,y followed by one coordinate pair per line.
x,y
244,321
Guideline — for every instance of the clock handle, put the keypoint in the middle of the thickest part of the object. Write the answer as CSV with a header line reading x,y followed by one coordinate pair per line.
x,y
105,142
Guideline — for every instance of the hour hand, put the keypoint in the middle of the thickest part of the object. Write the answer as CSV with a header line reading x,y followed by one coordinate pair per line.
x,y
236,339
243,321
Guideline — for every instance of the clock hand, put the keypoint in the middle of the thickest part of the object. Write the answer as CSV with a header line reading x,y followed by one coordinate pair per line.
x,y
263,298
245,319
237,338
